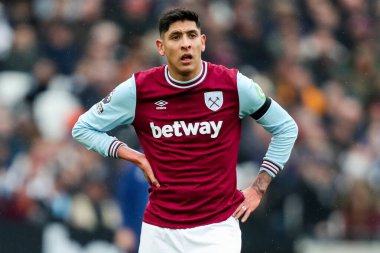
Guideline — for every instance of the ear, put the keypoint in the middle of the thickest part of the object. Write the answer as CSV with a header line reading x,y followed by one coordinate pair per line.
x,y
203,40
160,47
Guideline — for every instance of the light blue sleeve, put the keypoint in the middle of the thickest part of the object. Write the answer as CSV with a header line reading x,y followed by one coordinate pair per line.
x,y
118,108
275,120
251,96
284,132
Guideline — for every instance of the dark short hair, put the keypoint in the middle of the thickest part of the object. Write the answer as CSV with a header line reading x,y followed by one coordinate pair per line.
x,y
174,15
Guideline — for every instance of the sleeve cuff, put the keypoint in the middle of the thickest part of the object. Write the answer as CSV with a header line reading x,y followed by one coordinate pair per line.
x,y
114,147
270,167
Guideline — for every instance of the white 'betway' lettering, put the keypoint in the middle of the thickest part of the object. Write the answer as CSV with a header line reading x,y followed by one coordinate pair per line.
x,y
180,128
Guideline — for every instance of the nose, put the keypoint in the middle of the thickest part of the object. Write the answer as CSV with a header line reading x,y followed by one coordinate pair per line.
x,y
186,43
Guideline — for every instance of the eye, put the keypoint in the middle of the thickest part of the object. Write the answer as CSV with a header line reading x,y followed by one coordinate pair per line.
x,y
192,35
175,37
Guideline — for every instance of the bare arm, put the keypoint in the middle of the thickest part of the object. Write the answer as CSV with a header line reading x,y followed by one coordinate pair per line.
x,y
253,195
139,159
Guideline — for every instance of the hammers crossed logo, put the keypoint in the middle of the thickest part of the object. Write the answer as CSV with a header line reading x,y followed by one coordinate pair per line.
x,y
214,100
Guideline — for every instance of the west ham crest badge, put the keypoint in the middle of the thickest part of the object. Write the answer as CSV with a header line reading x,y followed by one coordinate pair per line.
x,y
214,100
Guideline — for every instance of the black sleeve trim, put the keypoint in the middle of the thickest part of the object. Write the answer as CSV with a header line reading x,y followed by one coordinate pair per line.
x,y
262,110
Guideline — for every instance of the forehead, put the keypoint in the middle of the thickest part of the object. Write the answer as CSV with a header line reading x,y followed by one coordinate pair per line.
x,y
182,26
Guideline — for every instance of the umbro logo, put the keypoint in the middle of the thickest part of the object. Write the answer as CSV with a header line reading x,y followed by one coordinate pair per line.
x,y
161,105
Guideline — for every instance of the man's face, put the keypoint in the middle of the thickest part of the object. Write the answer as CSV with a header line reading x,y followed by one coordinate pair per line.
x,y
182,45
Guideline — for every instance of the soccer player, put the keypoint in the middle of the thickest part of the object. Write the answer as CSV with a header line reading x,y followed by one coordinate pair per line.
x,y
187,115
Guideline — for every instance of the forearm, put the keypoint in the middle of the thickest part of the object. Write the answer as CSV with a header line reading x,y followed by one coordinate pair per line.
x,y
284,132
139,159
131,155
95,140
261,183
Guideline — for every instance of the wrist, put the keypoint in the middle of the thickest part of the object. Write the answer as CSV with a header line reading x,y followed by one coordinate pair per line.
x,y
270,167
261,184
131,155
113,150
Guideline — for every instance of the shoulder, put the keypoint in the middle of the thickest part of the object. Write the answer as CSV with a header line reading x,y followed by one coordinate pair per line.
x,y
222,70
221,75
154,73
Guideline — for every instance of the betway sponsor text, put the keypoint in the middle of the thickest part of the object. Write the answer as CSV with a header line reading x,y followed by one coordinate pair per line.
x,y
180,128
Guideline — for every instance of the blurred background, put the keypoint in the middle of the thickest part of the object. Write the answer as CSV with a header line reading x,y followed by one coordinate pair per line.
x,y
318,58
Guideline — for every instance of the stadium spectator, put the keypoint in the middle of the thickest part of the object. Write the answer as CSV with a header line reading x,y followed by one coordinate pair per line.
x,y
132,195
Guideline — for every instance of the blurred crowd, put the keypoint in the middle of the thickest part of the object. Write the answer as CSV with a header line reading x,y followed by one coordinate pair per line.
x,y
318,58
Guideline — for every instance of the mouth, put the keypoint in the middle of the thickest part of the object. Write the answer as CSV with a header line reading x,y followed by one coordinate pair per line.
x,y
185,58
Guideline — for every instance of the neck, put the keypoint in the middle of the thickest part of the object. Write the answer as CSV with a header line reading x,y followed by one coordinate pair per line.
x,y
184,76
187,82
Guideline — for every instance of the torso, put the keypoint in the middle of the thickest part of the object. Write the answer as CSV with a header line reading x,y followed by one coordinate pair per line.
x,y
190,134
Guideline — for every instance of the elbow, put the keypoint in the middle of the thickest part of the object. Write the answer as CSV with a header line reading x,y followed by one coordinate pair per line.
x,y
75,131
295,130
290,130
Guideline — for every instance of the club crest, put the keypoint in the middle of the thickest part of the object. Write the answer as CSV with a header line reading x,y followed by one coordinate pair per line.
x,y
214,100
107,99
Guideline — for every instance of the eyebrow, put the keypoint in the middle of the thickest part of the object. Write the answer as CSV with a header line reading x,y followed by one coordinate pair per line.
x,y
175,32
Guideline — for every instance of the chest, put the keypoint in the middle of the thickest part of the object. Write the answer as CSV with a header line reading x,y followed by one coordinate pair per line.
x,y
194,105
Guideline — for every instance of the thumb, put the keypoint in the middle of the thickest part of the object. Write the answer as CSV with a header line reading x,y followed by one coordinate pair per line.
x,y
152,179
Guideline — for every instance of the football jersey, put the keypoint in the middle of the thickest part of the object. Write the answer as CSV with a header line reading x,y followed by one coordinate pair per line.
x,y
190,133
